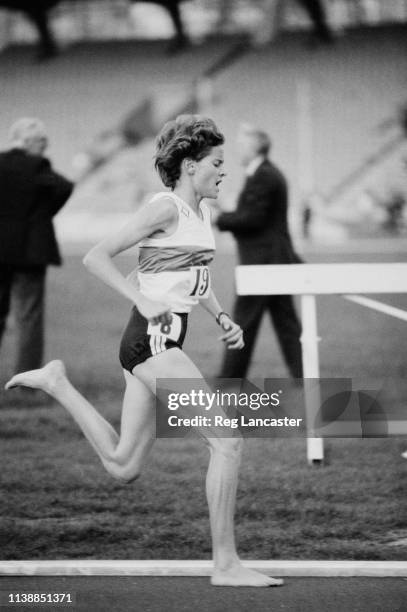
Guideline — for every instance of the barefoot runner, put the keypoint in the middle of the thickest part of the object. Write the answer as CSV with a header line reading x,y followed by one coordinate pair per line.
x,y
176,244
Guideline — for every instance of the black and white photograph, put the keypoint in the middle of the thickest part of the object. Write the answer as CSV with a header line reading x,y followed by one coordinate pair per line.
x,y
203,305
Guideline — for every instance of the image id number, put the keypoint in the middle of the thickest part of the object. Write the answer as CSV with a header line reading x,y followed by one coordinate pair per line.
x,y
16,598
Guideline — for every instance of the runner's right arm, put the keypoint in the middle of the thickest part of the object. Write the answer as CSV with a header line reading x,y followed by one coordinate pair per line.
x,y
99,260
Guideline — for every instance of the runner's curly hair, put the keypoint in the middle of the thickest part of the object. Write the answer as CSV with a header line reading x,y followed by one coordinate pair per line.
x,y
187,136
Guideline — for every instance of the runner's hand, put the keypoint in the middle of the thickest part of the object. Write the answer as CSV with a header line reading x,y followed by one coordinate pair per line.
x,y
234,333
155,312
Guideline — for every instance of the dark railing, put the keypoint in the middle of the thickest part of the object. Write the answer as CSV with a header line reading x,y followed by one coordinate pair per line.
x,y
100,19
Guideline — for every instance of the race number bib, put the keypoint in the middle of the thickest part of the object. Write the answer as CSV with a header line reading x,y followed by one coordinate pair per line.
x,y
171,331
199,282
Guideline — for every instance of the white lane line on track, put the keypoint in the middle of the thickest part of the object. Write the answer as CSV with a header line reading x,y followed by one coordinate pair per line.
x,y
325,569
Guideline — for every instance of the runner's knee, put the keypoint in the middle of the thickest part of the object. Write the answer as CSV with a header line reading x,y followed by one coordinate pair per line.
x,y
128,476
124,473
230,447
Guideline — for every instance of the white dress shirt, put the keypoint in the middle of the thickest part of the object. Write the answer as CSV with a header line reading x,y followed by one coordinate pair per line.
x,y
254,164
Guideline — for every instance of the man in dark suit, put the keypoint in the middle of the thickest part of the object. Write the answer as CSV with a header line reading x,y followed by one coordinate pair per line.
x,y
260,227
31,193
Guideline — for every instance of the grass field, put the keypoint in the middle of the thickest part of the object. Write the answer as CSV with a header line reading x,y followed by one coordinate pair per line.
x,y
57,501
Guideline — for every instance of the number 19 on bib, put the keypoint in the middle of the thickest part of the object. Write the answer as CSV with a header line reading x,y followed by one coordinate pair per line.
x,y
200,282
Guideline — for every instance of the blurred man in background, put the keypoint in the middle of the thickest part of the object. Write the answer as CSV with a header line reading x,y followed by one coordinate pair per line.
x,y
260,227
31,193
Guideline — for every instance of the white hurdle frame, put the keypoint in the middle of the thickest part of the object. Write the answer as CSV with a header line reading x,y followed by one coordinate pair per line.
x,y
309,280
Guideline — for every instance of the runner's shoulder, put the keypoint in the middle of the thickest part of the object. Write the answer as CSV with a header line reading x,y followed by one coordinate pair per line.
x,y
164,206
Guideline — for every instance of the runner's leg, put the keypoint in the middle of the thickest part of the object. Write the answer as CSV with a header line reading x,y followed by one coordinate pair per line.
x,y
222,475
123,460
121,455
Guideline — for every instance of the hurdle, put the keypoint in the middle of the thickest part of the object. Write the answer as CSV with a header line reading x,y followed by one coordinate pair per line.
x,y
308,281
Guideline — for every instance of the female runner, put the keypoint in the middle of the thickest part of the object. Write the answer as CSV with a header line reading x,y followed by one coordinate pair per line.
x,y
176,245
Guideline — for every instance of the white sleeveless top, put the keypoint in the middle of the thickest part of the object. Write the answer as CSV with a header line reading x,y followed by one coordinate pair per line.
x,y
174,269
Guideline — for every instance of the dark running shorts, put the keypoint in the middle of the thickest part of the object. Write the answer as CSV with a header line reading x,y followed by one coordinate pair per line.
x,y
142,340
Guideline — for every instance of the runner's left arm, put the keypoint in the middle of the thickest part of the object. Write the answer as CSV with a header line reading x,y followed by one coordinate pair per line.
x,y
233,336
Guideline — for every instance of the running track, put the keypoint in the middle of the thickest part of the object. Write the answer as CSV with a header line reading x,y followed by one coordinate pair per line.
x,y
174,594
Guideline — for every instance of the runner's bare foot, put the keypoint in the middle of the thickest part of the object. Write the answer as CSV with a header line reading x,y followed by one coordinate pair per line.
x,y
242,576
45,378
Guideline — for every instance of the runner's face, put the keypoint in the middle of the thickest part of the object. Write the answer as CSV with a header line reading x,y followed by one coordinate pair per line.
x,y
209,173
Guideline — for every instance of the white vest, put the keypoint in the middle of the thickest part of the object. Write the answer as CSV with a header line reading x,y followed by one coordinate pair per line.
x,y
174,269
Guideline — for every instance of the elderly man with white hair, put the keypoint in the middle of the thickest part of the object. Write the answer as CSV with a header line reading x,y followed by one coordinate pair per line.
x,y
31,193
260,227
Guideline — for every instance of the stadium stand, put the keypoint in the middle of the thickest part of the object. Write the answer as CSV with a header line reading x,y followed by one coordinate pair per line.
x,y
90,89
